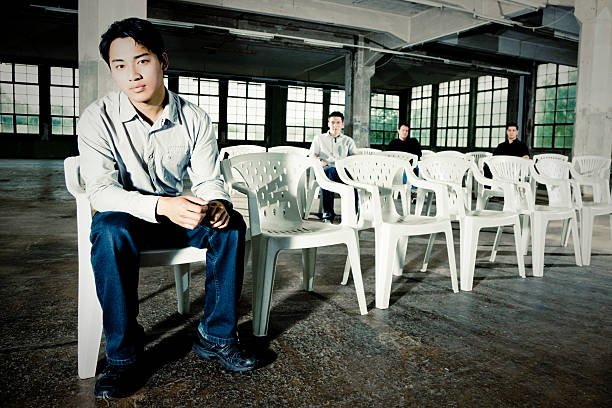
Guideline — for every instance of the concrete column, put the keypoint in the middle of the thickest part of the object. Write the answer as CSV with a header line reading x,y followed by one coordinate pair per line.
x,y
94,18
360,68
593,126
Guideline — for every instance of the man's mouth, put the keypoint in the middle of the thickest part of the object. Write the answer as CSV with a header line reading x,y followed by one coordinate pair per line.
x,y
138,88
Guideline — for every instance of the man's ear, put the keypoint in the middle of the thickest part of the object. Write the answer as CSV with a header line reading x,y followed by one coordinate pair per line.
x,y
164,61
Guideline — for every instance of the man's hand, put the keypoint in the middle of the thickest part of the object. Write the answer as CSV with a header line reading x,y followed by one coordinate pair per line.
x,y
186,211
217,216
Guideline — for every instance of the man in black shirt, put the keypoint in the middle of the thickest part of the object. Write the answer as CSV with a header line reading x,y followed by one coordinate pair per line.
x,y
512,146
405,143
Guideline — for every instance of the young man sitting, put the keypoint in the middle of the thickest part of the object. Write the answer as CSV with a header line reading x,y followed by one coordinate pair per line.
x,y
136,146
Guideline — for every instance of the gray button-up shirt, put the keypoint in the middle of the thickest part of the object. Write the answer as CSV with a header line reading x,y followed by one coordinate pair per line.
x,y
331,148
127,164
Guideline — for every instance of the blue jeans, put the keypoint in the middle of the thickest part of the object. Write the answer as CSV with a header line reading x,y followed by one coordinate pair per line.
x,y
117,239
327,197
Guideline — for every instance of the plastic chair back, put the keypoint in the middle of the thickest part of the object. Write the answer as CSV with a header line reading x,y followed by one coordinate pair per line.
x,y
449,170
368,150
289,149
274,179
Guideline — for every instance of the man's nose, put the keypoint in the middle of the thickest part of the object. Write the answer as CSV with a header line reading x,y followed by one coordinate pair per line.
x,y
134,73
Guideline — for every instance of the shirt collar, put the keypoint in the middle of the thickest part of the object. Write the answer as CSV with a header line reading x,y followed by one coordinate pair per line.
x,y
127,111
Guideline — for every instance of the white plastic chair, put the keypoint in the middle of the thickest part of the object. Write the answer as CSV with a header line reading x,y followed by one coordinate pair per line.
x,y
423,195
310,189
374,175
89,310
271,181
471,222
451,170
593,169
588,210
232,151
552,165
560,207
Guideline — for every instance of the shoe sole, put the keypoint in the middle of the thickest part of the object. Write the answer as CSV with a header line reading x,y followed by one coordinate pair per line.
x,y
207,355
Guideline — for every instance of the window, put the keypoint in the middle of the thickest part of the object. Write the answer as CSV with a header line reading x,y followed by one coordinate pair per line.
x,y
384,116
555,106
304,113
246,110
453,109
204,93
336,101
64,92
420,114
491,106
19,98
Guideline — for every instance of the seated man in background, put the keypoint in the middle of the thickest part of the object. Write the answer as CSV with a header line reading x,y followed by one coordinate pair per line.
x,y
329,147
405,143
510,147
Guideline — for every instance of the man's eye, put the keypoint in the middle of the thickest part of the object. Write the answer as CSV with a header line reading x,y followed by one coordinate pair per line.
x,y
119,66
143,61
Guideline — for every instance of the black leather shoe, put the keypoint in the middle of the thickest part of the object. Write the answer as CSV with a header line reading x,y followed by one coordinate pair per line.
x,y
118,381
231,356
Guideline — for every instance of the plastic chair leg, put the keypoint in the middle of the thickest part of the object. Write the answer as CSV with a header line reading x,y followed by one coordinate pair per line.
x,y
385,245
402,245
430,245
565,233
430,197
538,244
347,266
247,253
451,257
498,236
468,236
418,209
181,278
586,234
89,324
352,246
525,233
520,260
309,256
264,260
576,239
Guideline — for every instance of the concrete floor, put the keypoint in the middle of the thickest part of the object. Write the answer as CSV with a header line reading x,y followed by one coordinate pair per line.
x,y
510,342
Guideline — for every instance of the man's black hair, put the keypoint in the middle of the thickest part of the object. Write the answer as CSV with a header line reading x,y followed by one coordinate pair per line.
x,y
142,31
509,124
336,113
403,123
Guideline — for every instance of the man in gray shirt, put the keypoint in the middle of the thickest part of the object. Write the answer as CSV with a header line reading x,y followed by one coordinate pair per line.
x,y
136,146
329,147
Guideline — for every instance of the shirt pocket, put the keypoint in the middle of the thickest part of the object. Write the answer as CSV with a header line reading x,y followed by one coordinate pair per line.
x,y
175,160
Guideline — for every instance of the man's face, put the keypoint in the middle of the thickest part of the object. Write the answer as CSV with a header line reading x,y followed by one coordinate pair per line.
x,y
137,71
335,125
512,133
402,132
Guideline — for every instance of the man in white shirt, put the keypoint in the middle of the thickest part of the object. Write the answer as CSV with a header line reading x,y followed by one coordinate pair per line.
x,y
136,146
329,147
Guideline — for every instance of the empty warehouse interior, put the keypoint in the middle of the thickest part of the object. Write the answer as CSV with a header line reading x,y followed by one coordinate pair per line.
x,y
268,73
